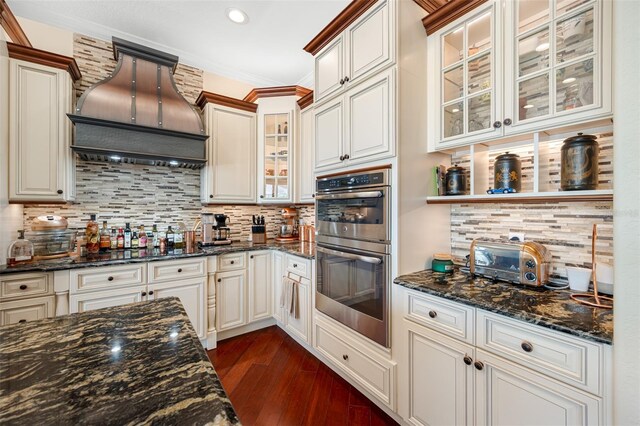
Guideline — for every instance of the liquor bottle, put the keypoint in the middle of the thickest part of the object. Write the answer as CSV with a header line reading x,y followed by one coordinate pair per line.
x,y
93,235
142,237
156,236
134,240
170,238
105,238
120,238
20,250
113,244
127,236
178,239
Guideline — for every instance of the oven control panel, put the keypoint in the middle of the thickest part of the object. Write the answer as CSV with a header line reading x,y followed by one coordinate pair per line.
x,y
351,181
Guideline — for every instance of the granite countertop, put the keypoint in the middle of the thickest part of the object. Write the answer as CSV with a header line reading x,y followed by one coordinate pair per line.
x,y
553,309
121,257
140,363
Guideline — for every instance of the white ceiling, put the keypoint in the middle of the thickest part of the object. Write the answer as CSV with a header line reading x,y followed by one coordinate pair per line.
x,y
266,51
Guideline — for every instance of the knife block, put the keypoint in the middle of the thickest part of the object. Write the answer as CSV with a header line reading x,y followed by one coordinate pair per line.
x,y
258,234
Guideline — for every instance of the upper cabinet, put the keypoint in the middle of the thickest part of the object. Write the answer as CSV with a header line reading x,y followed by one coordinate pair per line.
x,y
530,66
365,47
230,173
305,192
274,169
42,165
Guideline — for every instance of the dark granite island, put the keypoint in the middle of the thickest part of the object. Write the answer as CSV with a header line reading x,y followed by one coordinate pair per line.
x,y
134,364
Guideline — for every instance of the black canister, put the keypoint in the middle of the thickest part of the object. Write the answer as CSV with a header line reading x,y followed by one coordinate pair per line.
x,y
579,170
507,172
456,180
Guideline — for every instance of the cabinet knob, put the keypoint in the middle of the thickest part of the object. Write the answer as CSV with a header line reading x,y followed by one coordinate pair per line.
x,y
295,265
144,293
110,279
467,360
219,280
151,293
497,124
23,287
210,195
342,158
251,257
507,122
433,314
262,196
346,78
59,191
345,357
232,262
346,157
22,321
526,346
341,81
478,365
179,270
313,195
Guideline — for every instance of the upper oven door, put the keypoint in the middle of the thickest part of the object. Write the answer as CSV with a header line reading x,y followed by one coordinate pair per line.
x,y
355,214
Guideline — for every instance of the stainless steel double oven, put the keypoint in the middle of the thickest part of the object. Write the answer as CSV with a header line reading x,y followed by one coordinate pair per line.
x,y
353,251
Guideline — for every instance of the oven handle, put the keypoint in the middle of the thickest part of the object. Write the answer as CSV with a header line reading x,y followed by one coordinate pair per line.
x,y
350,195
367,259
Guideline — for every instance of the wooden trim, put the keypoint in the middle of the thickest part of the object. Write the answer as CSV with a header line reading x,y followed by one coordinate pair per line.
x,y
525,200
306,100
366,169
448,13
430,6
338,24
12,26
214,98
43,57
270,92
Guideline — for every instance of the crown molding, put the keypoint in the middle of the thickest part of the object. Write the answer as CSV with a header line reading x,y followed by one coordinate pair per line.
x,y
448,13
270,92
11,25
213,98
430,6
306,100
42,57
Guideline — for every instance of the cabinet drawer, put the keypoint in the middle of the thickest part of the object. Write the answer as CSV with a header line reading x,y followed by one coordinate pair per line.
x,y
574,361
25,285
299,266
17,311
232,262
367,371
438,314
108,277
171,270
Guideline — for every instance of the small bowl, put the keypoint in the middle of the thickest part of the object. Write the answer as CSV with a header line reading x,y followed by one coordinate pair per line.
x,y
579,278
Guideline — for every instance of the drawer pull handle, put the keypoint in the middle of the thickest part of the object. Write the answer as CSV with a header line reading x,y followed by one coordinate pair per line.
x,y
144,293
23,287
526,346
232,262
433,314
151,293
59,191
467,360
110,279
179,270
22,321
345,357
478,365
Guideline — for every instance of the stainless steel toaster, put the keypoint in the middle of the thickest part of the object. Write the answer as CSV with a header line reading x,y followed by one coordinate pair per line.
x,y
527,263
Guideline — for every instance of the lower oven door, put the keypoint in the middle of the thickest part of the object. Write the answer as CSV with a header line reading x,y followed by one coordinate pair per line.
x,y
352,286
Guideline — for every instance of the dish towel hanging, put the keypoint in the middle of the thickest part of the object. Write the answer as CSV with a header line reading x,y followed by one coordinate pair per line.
x,y
289,296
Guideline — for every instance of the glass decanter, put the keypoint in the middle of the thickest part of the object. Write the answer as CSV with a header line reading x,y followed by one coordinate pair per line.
x,y
20,250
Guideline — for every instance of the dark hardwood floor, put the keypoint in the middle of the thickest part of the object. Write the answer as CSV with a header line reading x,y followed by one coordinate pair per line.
x,y
272,380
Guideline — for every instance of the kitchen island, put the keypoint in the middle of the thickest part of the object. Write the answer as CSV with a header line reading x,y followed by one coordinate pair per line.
x,y
135,364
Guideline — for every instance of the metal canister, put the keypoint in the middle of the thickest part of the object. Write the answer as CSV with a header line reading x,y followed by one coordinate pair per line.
x,y
579,159
507,172
456,181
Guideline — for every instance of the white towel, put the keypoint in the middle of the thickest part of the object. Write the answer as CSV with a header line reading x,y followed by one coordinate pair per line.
x,y
289,296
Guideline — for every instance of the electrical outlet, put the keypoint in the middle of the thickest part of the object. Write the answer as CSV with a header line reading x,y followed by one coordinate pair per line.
x,y
516,236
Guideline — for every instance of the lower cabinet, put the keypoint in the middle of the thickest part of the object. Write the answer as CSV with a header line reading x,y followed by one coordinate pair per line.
x,y
300,270
18,311
106,298
259,285
191,293
26,297
230,290
278,273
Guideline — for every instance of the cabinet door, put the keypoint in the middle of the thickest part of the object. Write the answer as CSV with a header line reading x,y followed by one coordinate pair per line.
x,y
275,165
557,63
106,299
306,182
370,118
32,309
329,70
38,132
300,326
329,134
278,259
510,395
230,174
370,43
231,290
259,285
440,382
466,99
191,293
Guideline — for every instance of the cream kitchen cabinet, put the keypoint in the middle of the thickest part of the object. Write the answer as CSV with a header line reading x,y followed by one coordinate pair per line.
x,y
230,173
260,295
364,48
42,165
231,290
519,68
278,273
31,309
358,126
276,130
299,269
306,183
26,297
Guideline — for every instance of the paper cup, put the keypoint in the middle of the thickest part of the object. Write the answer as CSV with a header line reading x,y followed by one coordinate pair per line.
x,y
579,278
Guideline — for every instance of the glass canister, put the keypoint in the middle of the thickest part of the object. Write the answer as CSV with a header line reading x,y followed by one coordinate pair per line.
x,y
20,250
456,181
507,172
579,163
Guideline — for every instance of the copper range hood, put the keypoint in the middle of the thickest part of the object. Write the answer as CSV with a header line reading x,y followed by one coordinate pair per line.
x,y
137,115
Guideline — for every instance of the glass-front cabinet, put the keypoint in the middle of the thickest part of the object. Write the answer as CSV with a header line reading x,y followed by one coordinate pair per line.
x,y
277,178
552,57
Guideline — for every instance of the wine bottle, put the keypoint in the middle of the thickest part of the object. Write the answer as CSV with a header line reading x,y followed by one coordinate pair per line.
x,y
170,238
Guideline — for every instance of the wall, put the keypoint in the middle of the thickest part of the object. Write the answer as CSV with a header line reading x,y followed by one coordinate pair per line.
x,y
218,84
139,194
46,37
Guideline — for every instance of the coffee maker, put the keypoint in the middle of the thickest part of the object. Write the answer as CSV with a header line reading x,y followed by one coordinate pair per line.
x,y
222,233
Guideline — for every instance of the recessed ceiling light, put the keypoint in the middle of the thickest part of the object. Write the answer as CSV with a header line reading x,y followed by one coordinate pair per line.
x,y
542,47
568,80
527,106
237,16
